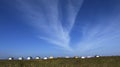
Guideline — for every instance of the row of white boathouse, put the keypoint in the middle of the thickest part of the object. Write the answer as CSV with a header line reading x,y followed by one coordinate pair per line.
x,y
51,57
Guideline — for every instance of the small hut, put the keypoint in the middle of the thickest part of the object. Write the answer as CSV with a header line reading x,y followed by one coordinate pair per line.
x,y
82,57
10,58
89,56
37,58
29,58
76,57
97,56
51,57
20,58
45,58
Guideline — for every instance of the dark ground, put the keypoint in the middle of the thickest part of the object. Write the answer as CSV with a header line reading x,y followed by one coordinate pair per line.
x,y
113,61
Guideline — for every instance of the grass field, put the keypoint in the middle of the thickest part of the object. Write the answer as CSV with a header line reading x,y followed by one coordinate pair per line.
x,y
62,62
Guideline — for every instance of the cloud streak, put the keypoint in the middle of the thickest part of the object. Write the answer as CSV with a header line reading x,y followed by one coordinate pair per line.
x,y
45,16
104,34
56,20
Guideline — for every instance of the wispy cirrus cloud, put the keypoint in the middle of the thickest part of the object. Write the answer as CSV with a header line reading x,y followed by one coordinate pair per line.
x,y
105,34
56,18
47,17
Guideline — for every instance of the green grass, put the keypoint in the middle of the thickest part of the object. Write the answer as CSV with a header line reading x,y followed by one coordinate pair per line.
x,y
62,62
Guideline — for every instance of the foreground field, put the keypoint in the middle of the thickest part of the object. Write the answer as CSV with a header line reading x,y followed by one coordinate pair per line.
x,y
62,62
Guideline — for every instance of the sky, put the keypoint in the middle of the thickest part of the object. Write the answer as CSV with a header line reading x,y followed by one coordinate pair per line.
x,y
59,28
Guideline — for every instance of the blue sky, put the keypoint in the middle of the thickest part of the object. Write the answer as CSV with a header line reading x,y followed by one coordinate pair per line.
x,y
59,27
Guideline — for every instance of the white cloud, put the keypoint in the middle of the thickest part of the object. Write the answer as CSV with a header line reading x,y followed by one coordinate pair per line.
x,y
45,17
100,35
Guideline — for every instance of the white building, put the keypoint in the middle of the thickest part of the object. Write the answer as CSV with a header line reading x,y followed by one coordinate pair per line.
x,y
97,56
76,57
37,58
10,58
45,58
51,57
20,58
82,57
29,58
